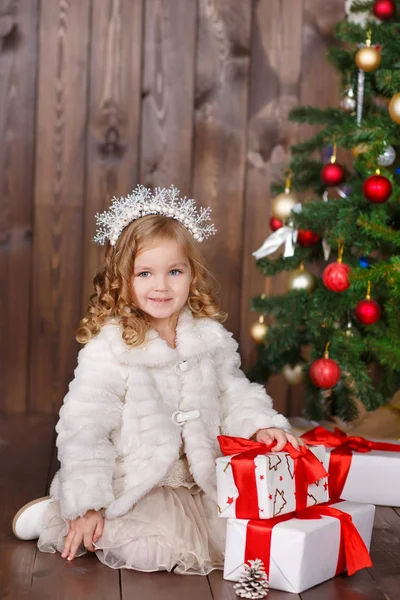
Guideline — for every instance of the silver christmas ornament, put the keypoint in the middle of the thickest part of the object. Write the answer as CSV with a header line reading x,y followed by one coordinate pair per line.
x,y
300,279
293,374
387,157
348,332
348,101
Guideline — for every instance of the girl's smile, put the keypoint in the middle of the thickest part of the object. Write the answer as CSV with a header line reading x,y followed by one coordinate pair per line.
x,y
161,282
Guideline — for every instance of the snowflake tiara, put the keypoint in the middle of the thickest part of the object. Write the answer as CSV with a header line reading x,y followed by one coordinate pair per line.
x,y
145,201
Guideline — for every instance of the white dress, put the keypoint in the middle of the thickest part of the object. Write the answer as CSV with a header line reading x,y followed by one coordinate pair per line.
x,y
175,527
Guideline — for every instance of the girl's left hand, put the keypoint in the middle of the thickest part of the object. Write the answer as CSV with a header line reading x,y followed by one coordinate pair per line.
x,y
268,436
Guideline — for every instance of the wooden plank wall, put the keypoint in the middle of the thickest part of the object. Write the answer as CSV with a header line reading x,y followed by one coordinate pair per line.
x,y
99,95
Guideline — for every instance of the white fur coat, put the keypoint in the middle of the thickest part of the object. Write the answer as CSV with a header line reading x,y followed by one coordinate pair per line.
x,y
116,438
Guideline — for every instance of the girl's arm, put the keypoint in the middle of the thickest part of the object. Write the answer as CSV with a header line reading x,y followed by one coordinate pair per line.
x,y
245,407
91,410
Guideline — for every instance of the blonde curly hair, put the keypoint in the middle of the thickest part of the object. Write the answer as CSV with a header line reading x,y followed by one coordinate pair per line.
x,y
112,296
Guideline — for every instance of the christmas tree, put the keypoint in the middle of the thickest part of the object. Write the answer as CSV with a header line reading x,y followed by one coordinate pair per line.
x,y
338,328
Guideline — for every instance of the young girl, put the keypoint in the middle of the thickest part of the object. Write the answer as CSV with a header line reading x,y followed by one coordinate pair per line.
x,y
157,381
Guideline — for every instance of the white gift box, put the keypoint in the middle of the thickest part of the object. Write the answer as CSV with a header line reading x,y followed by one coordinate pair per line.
x,y
274,474
304,553
383,488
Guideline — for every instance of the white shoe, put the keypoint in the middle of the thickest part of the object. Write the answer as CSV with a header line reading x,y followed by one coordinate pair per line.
x,y
27,523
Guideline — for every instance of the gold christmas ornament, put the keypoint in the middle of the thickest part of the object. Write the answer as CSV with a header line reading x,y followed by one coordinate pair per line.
x,y
283,204
258,331
368,59
394,108
293,374
300,279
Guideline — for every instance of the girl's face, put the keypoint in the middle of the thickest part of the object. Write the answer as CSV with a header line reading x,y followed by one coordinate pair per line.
x,y
161,280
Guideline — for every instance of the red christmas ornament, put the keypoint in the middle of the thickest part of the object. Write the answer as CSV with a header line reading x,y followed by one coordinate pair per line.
x,y
377,189
384,9
333,174
307,238
336,277
368,311
325,372
275,224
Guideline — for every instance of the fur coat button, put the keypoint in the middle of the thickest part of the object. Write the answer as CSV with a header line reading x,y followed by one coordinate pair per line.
x,y
182,366
180,418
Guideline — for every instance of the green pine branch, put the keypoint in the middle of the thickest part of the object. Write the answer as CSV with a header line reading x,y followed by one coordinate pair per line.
x,y
378,231
295,303
317,116
361,6
341,59
388,81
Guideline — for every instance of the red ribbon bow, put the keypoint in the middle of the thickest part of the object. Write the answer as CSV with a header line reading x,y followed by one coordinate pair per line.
x,y
352,550
341,456
307,469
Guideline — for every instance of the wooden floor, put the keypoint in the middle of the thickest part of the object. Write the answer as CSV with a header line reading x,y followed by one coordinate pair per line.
x,y
27,463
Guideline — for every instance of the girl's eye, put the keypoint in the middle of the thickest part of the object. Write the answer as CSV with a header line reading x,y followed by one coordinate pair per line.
x,y
145,273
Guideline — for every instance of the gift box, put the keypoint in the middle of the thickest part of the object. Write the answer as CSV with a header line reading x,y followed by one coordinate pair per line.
x,y
299,553
360,470
256,484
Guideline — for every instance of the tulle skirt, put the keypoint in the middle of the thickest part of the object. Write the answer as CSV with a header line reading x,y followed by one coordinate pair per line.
x,y
172,529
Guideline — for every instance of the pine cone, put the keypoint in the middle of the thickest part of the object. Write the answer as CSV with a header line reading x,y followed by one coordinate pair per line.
x,y
254,582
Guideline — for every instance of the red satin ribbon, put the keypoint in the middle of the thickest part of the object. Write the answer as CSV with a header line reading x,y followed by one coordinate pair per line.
x,y
258,539
352,550
307,469
341,456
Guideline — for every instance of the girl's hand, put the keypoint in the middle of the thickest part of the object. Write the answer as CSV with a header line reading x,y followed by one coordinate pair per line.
x,y
86,529
268,436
